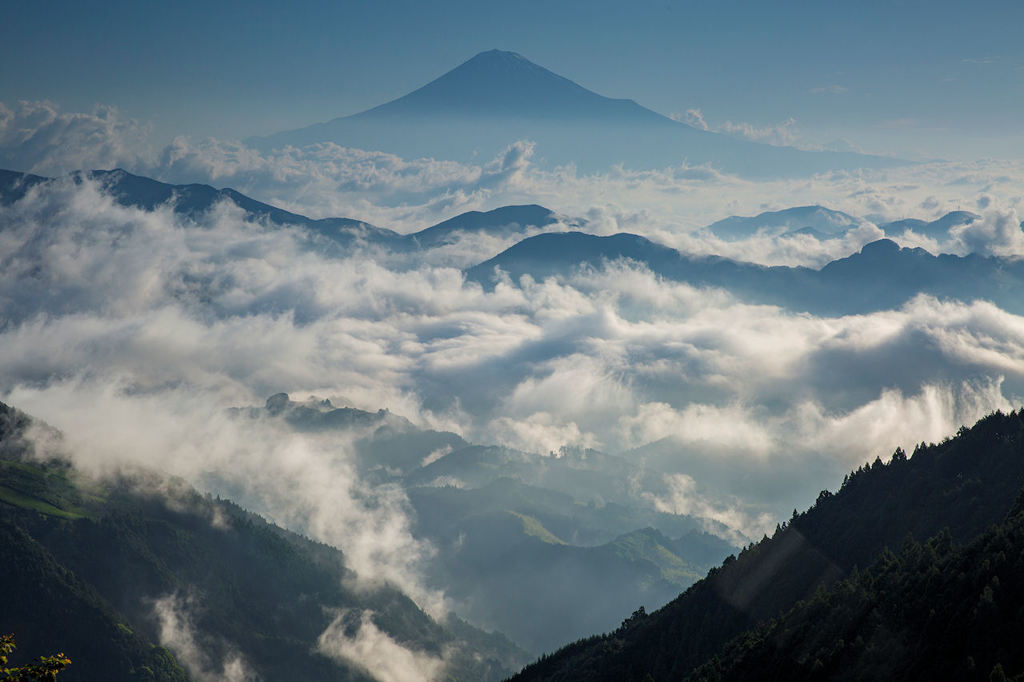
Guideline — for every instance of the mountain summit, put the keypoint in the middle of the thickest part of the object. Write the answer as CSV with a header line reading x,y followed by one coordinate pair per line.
x,y
507,84
483,105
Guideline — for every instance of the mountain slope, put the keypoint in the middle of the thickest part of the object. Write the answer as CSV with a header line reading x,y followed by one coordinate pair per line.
x,y
823,221
964,484
46,604
496,98
931,612
500,83
126,560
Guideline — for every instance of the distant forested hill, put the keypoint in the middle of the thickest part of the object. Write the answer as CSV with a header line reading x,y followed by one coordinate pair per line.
x,y
964,484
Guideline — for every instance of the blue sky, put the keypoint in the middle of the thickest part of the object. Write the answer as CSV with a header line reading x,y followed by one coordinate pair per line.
x,y
934,78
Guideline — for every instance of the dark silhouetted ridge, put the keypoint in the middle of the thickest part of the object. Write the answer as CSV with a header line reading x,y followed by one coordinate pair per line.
x,y
964,485
881,276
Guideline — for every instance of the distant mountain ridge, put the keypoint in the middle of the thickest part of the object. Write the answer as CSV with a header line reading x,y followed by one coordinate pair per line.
x,y
823,222
192,200
498,97
881,276
935,229
505,222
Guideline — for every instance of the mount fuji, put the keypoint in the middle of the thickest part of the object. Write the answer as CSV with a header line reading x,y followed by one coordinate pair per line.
x,y
497,97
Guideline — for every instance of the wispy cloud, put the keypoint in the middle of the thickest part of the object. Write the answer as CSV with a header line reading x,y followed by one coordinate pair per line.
x,y
177,633
364,644
784,133
833,89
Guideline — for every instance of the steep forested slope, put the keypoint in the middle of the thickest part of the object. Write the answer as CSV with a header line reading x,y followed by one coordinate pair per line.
x,y
98,570
931,612
964,484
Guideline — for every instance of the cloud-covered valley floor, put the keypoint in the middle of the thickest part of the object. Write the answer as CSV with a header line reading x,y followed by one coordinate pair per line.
x,y
108,306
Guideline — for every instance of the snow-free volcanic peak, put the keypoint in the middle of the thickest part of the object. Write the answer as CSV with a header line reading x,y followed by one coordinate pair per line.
x,y
497,98
501,83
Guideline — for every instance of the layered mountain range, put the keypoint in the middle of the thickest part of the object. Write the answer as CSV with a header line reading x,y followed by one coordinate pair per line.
x,y
882,275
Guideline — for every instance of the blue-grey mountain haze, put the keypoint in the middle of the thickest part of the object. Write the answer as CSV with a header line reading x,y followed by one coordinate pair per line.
x,y
498,97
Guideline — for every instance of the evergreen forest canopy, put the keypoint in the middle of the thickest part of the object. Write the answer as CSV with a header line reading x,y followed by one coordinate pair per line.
x,y
911,570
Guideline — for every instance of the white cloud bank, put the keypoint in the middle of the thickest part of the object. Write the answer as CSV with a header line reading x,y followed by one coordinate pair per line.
x,y
133,330
373,650
126,327
669,205
37,137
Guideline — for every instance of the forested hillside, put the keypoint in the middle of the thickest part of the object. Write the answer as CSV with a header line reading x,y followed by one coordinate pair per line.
x,y
107,571
931,612
964,484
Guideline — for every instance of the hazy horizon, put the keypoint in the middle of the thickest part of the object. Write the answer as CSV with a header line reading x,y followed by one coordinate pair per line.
x,y
925,80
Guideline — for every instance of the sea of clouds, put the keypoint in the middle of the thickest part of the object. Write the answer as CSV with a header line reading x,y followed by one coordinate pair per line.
x,y
134,331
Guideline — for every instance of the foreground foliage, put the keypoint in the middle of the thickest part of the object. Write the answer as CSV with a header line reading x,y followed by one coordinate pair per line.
x,y
43,670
